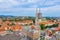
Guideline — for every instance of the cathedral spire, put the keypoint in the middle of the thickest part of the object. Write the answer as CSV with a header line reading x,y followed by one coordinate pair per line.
x,y
38,15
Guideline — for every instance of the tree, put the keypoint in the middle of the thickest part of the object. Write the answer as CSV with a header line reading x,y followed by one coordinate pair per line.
x,y
42,26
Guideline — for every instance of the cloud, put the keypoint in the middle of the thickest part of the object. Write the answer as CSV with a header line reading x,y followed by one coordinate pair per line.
x,y
18,11
28,3
51,11
47,9
28,6
10,3
49,3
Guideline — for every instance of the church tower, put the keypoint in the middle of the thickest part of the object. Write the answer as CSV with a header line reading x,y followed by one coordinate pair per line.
x,y
38,15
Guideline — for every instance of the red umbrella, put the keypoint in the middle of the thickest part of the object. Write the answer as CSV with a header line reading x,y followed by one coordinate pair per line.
x,y
49,32
32,27
59,28
56,29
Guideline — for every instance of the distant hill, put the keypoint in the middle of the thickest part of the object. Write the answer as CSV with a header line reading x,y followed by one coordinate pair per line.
x,y
10,16
6,16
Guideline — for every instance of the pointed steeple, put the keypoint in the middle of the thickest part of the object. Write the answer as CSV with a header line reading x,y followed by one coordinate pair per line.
x,y
38,15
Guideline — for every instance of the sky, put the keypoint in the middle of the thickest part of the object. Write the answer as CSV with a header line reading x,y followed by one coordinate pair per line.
x,y
50,8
